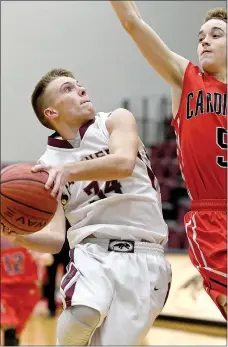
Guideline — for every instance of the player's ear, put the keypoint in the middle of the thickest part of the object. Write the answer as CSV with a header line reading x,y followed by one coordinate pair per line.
x,y
50,113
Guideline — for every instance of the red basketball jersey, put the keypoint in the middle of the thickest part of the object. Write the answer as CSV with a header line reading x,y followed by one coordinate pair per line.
x,y
17,265
201,132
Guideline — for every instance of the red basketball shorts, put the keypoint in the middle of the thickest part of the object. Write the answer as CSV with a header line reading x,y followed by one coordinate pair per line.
x,y
17,304
206,231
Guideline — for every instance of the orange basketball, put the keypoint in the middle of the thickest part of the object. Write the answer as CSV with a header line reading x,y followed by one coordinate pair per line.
x,y
26,206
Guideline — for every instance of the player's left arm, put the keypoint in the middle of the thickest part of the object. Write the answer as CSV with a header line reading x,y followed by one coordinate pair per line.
x,y
50,239
118,164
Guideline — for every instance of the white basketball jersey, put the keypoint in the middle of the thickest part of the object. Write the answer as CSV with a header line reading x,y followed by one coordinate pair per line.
x,y
127,209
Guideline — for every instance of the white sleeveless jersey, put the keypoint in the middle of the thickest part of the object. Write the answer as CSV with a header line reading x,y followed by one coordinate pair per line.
x,y
128,209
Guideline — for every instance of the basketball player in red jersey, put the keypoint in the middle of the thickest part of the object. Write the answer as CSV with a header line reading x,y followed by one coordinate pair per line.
x,y
20,288
199,106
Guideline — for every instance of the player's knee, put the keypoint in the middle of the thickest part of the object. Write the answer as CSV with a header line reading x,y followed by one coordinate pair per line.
x,y
76,325
222,300
87,316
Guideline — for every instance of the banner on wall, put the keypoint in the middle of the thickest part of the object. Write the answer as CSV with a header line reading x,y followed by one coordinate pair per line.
x,y
187,297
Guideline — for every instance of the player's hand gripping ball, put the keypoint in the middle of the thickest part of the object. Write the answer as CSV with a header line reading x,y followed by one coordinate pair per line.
x,y
57,178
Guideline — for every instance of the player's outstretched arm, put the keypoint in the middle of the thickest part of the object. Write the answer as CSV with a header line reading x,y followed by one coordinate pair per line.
x,y
48,240
168,64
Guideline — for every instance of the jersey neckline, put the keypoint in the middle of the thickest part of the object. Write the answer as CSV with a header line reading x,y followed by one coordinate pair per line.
x,y
53,141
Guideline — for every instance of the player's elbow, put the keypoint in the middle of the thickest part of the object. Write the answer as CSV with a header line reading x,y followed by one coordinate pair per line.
x,y
129,23
57,243
57,246
126,166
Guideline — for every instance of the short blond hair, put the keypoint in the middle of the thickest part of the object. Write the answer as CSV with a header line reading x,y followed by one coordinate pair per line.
x,y
38,93
216,13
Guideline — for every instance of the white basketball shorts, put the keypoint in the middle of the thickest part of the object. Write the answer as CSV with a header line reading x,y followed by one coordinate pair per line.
x,y
126,281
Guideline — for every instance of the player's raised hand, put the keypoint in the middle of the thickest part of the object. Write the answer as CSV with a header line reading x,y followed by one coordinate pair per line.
x,y
57,178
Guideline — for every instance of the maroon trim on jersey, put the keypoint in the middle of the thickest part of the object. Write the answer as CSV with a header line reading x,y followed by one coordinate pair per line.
x,y
58,143
52,141
85,127
149,172
71,273
69,294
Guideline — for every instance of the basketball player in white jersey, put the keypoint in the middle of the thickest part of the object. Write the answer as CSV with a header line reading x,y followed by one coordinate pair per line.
x,y
118,279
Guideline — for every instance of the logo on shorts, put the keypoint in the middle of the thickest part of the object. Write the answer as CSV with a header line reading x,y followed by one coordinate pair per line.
x,y
121,246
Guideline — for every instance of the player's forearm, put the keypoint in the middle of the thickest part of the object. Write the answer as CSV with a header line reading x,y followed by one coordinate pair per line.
x,y
110,167
135,9
40,242
126,12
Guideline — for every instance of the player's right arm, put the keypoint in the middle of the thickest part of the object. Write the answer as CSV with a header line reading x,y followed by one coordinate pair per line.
x,y
48,240
168,64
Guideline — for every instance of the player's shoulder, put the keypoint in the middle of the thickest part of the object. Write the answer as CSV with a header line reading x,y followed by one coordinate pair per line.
x,y
51,156
102,116
119,110
101,123
114,114
193,78
105,119
193,70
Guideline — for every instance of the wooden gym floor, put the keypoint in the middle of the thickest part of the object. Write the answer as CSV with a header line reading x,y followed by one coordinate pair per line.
x,y
187,298
40,330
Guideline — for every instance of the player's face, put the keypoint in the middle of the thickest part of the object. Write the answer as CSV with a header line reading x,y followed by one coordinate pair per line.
x,y
212,46
68,100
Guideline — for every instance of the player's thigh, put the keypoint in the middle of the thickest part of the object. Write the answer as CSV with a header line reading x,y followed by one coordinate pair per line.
x,y
87,281
204,229
136,303
31,298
